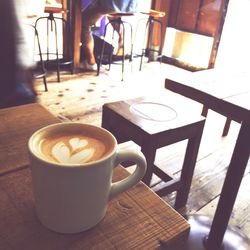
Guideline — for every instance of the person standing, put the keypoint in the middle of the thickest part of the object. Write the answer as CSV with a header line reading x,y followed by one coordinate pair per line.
x,y
16,81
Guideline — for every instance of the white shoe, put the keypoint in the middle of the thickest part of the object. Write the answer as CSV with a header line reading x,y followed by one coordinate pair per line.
x,y
88,67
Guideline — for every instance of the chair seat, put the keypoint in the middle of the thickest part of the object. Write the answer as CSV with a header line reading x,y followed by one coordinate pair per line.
x,y
53,9
154,13
121,14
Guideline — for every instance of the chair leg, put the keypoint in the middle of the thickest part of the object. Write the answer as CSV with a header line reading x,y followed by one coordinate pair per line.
x,y
188,168
226,127
149,153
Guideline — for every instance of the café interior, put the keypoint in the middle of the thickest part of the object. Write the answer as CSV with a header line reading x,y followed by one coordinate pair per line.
x,y
178,92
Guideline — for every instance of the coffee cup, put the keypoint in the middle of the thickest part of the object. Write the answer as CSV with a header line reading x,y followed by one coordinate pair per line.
x,y
71,165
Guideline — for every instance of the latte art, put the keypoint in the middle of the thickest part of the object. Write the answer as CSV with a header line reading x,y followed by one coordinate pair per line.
x,y
74,154
72,149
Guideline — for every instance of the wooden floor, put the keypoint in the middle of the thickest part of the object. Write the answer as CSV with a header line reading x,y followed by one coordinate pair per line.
x,y
80,97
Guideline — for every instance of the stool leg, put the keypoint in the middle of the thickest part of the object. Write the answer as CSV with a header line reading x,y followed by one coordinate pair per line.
x,y
99,64
69,60
41,60
132,44
149,153
161,43
48,21
123,48
150,35
113,36
57,54
188,168
143,49
161,36
44,71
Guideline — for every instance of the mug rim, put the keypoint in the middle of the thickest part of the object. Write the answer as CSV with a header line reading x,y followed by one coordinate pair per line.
x,y
67,165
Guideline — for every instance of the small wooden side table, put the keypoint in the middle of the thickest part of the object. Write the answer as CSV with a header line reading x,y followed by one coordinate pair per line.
x,y
154,124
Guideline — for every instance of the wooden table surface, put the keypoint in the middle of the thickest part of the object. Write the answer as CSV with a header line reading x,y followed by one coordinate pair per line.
x,y
228,95
16,126
136,219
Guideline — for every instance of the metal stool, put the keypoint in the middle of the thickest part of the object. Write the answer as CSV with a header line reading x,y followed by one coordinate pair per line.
x,y
117,19
51,20
40,71
155,124
152,19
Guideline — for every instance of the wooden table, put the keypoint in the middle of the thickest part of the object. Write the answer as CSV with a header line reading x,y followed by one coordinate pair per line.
x,y
230,97
137,219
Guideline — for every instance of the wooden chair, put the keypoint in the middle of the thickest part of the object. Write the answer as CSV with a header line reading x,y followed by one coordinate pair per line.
x,y
137,120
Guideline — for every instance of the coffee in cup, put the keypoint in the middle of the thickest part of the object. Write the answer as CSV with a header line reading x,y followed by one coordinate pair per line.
x,y
73,148
72,166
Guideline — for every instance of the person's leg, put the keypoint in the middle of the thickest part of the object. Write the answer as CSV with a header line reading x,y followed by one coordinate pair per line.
x,y
118,29
89,17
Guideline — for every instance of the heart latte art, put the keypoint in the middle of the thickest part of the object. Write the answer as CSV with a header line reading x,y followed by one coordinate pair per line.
x,y
72,149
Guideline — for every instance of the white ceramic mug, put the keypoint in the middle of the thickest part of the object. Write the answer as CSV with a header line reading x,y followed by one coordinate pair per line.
x,y
73,197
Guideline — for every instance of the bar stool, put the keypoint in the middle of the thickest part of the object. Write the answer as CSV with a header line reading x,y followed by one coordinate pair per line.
x,y
51,21
39,71
42,73
116,19
153,124
153,18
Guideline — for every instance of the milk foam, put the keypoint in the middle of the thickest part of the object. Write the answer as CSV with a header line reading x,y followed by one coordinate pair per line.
x,y
72,149
72,155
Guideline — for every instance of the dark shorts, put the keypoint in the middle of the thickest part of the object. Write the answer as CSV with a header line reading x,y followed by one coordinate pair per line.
x,y
93,13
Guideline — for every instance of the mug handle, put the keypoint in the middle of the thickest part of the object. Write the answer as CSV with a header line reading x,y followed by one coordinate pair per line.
x,y
128,155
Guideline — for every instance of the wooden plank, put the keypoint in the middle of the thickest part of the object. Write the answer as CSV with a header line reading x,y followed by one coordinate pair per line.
x,y
241,213
137,219
211,99
16,126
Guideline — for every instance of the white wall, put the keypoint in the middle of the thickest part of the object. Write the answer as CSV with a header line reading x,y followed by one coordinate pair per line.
x,y
234,48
